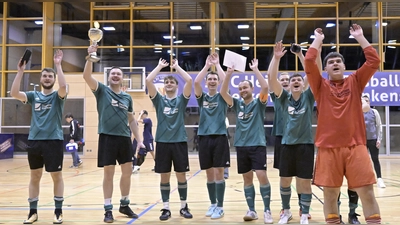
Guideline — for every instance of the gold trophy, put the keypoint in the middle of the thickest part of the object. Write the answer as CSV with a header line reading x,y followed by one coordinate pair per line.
x,y
95,35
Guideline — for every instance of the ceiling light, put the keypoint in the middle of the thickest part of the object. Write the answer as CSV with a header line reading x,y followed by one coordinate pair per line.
x,y
391,46
39,22
178,42
312,36
243,26
196,27
384,24
392,41
109,28
244,38
330,25
351,36
168,37
304,43
245,46
158,51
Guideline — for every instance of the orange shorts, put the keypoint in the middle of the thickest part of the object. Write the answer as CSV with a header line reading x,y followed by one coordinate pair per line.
x,y
352,162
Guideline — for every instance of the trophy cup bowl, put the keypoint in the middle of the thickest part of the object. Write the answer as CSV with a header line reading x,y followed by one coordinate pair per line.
x,y
95,35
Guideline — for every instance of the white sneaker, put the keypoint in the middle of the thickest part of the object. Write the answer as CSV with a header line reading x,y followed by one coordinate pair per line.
x,y
380,183
218,213
135,169
268,217
250,215
285,216
210,210
304,219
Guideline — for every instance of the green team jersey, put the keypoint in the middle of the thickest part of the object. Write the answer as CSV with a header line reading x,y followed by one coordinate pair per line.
x,y
298,117
46,115
170,118
249,123
212,114
113,111
277,128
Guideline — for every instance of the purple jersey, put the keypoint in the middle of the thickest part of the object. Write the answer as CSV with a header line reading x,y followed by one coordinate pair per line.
x,y
147,131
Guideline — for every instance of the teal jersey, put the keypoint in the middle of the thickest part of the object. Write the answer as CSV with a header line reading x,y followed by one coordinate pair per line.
x,y
249,123
46,118
170,118
298,117
277,128
113,111
212,114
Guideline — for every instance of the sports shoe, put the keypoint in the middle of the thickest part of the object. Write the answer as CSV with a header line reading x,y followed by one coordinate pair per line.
x,y
32,217
185,212
218,213
108,217
128,212
268,217
380,183
304,219
58,217
80,163
285,217
250,215
135,169
165,214
301,213
210,210
73,167
353,219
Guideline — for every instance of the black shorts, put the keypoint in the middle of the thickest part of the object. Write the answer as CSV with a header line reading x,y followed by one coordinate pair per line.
x,y
113,148
168,153
214,151
251,158
277,151
49,153
297,160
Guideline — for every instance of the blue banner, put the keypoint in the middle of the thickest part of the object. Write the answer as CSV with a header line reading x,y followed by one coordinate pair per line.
x,y
383,89
6,146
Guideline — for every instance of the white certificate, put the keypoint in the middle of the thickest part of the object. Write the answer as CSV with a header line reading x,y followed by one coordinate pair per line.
x,y
236,60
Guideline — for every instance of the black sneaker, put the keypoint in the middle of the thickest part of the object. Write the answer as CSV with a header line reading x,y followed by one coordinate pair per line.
x,y
108,217
128,212
165,214
185,212
353,219
58,216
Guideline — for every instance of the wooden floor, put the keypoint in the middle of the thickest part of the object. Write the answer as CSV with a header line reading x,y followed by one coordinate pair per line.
x,y
83,202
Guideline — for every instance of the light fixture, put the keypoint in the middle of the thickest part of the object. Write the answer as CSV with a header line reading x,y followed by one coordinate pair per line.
x,y
168,37
195,26
330,24
351,36
39,22
384,24
157,47
304,43
390,46
243,38
109,28
158,51
178,42
312,36
243,26
392,41
245,46
121,49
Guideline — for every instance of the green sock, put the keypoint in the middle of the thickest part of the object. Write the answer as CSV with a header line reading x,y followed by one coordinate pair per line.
x,y
33,203
220,189
250,194
305,201
211,187
265,191
58,201
182,189
165,190
286,193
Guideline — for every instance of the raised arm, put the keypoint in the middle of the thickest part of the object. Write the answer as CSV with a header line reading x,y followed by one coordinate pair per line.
x,y
313,73
261,80
16,85
187,89
149,79
279,52
319,65
225,87
62,83
220,71
357,32
87,71
198,89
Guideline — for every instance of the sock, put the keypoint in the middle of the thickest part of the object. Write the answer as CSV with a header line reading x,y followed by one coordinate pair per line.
x,y
353,201
286,193
182,189
250,194
166,205
220,192
265,191
305,200
165,190
124,200
58,201
33,202
107,204
374,219
211,187
332,219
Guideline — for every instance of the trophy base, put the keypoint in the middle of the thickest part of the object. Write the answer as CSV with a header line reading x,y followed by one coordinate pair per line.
x,y
92,58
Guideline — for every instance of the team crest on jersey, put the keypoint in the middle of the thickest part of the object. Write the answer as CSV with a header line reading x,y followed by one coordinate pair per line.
x,y
293,111
39,106
210,105
169,111
115,103
245,116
